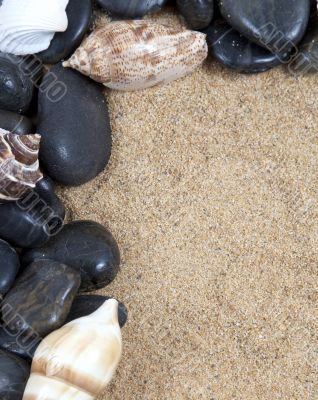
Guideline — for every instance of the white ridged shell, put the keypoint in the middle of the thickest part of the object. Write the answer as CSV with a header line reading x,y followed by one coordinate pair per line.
x,y
28,26
77,361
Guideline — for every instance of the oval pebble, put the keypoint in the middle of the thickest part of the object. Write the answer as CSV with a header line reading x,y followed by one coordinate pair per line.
x,y
86,246
197,13
9,266
15,123
131,8
75,128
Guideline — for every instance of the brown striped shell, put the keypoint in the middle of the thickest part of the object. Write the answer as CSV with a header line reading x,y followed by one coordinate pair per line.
x,y
19,164
131,55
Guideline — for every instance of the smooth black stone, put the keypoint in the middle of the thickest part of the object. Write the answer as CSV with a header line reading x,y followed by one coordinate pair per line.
x,y
17,78
306,59
15,123
41,298
9,266
79,13
22,228
131,8
236,52
44,201
76,133
86,246
277,25
87,304
197,13
21,343
14,374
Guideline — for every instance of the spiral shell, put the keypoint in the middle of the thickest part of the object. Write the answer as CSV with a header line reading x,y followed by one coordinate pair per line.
x,y
19,164
77,361
131,55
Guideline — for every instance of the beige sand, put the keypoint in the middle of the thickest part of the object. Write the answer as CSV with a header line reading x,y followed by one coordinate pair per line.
x,y
212,194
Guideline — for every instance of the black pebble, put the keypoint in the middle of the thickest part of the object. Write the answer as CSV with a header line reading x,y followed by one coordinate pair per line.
x,y
9,267
277,25
75,127
15,123
18,77
79,13
41,298
86,246
21,227
236,52
14,374
197,13
86,304
131,8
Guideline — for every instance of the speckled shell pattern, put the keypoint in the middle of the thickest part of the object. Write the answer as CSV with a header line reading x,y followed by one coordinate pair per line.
x,y
77,361
19,164
132,55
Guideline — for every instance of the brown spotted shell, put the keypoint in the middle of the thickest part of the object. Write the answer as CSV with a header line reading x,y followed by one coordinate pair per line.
x,y
19,164
131,55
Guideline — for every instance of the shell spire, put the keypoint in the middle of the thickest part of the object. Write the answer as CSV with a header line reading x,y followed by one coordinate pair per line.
x,y
19,164
131,55
77,361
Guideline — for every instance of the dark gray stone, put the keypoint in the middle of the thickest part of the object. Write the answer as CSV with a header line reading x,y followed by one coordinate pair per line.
x,y
86,246
197,13
14,374
15,123
277,25
236,52
9,266
41,298
131,8
75,129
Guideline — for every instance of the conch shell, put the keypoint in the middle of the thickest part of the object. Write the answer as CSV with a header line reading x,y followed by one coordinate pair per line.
x,y
77,361
131,55
19,164
28,26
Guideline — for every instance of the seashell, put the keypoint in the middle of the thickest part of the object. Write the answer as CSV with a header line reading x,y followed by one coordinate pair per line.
x,y
78,360
19,164
131,55
28,26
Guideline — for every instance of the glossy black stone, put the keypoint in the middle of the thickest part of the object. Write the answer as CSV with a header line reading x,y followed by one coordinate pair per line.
x,y
14,374
86,246
306,59
197,13
44,201
22,343
86,304
131,8
17,77
79,13
15,123
277,25
236,52
9,266
41,298
21,227
75,129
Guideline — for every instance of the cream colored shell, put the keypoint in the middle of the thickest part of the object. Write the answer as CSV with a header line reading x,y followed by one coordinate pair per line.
x,y
77,361
131,55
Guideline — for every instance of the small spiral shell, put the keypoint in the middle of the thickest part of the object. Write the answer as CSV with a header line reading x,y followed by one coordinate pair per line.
x,y
132,55
19,164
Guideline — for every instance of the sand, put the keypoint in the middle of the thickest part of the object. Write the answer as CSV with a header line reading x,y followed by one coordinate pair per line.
x,y
211,193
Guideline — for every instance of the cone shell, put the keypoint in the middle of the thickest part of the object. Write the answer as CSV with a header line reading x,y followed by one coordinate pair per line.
x,y
19,164
28,26
77,361
131,55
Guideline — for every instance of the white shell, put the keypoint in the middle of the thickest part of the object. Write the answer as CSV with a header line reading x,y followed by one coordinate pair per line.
x,y
28,26
77,361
